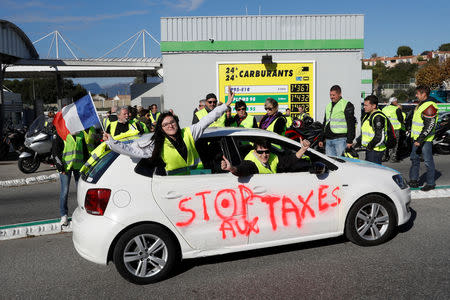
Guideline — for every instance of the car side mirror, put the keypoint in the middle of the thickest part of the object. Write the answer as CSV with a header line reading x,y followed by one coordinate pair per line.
x,y
318,168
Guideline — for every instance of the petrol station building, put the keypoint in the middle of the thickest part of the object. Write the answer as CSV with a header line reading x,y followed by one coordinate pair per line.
x,y
294,59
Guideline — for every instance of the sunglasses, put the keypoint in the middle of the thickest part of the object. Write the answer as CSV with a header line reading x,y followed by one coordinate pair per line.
x,y
268,108
263,151
212,102
239,109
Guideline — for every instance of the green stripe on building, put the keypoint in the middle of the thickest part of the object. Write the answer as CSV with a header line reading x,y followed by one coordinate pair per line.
x,y
262,45
363,81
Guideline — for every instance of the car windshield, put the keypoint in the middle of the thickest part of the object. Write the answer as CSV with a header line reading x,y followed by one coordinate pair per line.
x,y
36,126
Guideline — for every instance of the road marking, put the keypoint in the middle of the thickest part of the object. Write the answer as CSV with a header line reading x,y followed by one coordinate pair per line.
x,y
32,229
30,180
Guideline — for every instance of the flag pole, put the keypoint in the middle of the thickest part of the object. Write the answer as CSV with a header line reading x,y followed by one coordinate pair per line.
x,y
92,100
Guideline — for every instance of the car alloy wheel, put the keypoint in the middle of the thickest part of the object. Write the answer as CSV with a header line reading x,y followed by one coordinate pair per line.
x,y
145,254
371,221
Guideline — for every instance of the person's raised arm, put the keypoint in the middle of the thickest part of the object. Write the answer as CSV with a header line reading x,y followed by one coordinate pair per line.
x,y
198,128
141,148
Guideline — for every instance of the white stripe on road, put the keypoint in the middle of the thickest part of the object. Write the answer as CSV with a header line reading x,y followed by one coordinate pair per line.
x,y
30,180
10,232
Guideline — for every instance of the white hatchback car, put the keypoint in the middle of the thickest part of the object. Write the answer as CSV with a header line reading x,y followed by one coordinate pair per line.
x,y
145,222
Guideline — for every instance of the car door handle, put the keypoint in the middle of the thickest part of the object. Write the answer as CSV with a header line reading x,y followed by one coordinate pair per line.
x,y
259,190
172,195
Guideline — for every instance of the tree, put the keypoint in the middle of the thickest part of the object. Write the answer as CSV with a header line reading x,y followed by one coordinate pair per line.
x,y
404,95
373,55
433,74
400,73
444,47
404,51
45,89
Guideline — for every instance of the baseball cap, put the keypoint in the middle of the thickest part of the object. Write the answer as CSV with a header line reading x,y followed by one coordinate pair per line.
x,y
392,99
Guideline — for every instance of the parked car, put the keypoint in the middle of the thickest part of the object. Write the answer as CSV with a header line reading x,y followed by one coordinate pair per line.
x,y
147,223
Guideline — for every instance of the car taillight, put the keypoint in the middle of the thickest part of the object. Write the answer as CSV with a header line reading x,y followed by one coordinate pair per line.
x,y
96,201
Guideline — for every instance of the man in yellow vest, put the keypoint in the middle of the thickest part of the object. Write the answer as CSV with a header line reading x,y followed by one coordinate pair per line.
x,y
288,117
339,122
242,118
154,114
69,156
422,135
261,161
123,125
373,130
301,113
210,104
394,113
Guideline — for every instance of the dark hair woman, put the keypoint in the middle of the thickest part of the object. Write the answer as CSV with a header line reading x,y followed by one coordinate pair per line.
x,y
170,144
273,120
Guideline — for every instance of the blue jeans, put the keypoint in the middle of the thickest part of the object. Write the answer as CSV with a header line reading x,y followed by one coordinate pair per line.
x,y
64,193
427,153
374,156
335,147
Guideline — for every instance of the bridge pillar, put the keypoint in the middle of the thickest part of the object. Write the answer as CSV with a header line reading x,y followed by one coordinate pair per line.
x,y
2,99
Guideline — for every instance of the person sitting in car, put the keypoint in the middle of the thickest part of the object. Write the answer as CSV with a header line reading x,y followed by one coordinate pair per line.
x,y
170,146
261,161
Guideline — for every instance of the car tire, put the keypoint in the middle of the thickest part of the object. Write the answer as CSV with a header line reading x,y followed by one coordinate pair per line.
x,y
371,221
145,254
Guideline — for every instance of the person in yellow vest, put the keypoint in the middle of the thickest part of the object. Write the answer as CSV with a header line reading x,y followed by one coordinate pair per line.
x,y
261,161
301,113
111,117
123,125
242,118
69,156
133,117
394,113
210,104
154,114
373,130
288,117
170,147
339,123
273,120
422,135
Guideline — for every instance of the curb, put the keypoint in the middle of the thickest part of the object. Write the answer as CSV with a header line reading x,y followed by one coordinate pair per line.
x,y
29,181
32,229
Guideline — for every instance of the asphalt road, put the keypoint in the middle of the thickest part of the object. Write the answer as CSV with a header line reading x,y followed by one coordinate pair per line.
x,y
33,202
413,265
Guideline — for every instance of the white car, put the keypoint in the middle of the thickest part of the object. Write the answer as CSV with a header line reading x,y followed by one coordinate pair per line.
x,y
146,223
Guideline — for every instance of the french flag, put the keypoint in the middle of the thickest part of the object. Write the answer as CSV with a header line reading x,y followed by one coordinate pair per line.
x,y
76,117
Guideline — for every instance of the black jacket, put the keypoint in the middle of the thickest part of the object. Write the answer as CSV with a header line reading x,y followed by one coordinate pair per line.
x,y
350,119
280,123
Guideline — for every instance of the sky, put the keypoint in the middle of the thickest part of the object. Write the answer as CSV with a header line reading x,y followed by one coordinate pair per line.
x,y
92,28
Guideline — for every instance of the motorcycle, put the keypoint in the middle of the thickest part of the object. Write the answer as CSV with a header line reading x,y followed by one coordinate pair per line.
x,y
306,129
38,141
441,142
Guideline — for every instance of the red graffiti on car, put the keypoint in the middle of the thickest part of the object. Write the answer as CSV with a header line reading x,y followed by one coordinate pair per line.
x,y
231,207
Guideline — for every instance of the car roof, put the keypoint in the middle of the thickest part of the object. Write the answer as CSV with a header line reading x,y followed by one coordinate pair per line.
x,y
240,131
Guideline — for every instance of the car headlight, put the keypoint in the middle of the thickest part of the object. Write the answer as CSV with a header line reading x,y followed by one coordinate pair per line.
x,y
400,181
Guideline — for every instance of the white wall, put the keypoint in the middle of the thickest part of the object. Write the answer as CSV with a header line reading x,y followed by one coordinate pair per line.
x,y
188,77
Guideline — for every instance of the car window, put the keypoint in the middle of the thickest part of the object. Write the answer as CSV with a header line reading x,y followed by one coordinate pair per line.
x,y
211,151
94,174
241,146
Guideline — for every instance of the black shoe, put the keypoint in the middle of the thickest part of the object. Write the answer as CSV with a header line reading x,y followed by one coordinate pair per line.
x,y
428,187
413,184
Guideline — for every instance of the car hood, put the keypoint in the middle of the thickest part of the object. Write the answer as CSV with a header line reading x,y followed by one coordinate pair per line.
x,y
368,164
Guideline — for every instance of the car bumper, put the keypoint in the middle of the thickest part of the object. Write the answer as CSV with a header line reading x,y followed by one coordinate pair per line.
x,y
93,235
402,201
